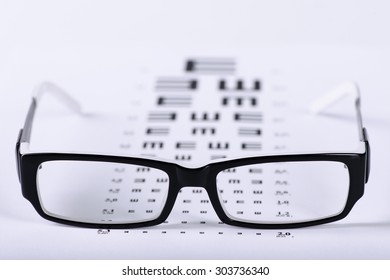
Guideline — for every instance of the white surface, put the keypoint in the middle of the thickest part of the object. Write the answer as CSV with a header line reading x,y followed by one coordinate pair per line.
x,y
91,48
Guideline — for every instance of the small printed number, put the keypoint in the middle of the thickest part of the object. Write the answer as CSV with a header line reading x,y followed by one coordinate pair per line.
x,y
239,270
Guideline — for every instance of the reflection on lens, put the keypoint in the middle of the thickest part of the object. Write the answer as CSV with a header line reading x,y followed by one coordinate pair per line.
x,y
101,192
287,192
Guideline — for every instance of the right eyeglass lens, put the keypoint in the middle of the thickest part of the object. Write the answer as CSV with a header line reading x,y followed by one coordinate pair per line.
x,y
101,192
283,193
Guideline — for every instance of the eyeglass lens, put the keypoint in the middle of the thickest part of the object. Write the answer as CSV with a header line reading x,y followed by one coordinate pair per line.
x,y
101,192
284,192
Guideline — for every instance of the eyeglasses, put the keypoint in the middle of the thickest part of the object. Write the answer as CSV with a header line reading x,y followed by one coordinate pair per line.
x,y
76,189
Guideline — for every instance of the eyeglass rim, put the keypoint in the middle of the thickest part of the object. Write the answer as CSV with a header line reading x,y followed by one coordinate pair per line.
x,y
180,177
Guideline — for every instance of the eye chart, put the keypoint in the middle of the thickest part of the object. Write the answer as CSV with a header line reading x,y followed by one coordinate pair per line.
x,y
206,113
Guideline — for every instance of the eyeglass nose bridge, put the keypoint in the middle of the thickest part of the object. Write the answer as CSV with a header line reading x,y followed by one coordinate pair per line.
x,y
192,177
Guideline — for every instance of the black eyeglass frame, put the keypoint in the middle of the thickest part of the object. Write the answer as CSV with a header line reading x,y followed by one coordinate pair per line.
x,y
27,164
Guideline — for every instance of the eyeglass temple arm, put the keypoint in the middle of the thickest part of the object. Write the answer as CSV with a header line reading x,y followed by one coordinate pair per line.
x,y
39,92
25,133
343,90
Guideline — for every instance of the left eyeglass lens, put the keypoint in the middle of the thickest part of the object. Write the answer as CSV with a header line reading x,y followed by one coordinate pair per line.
x,y
101,192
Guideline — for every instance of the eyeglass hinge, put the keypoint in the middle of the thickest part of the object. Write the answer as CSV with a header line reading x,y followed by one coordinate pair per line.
x,y
368,154
18,155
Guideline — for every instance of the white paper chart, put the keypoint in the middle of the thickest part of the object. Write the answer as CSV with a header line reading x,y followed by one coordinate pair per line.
x,y
195,109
